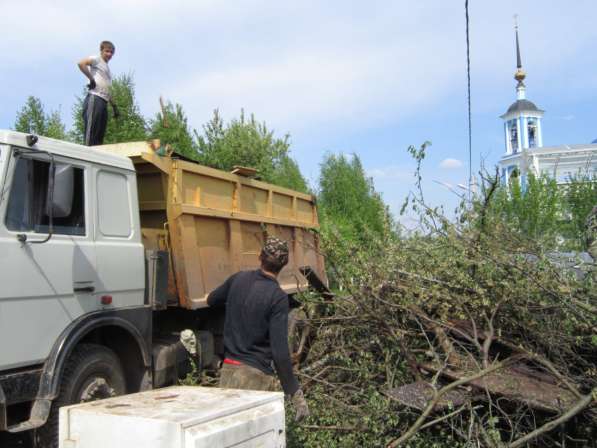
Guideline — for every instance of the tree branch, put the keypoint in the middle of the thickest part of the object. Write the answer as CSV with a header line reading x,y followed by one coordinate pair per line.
x,y
577,408
417,425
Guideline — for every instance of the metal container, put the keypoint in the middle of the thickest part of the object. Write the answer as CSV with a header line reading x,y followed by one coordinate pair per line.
x,y
177,417
212,223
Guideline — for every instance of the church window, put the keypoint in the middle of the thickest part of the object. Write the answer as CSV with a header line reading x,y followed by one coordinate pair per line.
x,y
532,128
513,136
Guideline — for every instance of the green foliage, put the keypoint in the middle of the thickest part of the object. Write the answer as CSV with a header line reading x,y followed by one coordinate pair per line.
x,y
349,209
347,199
362,424
128,127
32,119
55,127
551,214
247,142
535,210
451,273
286,173
580,196
172,128
77,132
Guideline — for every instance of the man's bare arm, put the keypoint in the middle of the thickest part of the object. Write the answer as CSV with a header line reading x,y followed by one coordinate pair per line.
x,y
84,67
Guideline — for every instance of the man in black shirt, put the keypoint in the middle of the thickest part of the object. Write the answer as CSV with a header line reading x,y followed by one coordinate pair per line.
x,y
256,328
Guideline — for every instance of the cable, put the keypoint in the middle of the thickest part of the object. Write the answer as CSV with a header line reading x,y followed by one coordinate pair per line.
x,y
468,76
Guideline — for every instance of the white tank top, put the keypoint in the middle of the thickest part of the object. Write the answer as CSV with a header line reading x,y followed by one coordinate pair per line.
x,y
103,78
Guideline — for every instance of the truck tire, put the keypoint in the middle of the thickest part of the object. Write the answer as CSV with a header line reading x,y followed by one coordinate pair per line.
x,y
92,372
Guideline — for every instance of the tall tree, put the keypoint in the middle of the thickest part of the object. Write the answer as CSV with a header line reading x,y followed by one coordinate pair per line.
x,y
130,126
32,119
171,127
287,174
247,142
551,214
535,209
55,127
348,200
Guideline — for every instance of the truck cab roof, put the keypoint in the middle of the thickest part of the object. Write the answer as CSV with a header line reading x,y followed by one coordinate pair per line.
x,y
67,149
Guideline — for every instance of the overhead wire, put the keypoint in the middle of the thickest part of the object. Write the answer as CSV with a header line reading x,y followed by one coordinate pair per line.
x,y
468,77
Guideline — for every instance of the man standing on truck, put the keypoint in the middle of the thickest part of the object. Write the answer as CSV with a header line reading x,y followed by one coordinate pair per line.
x,y
95,105
256,328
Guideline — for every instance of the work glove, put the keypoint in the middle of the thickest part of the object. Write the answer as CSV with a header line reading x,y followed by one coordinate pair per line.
x,y
189,341
91,84
115,111
300,406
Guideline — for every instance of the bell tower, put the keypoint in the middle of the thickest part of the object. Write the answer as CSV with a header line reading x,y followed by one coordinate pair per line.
x,y
522,120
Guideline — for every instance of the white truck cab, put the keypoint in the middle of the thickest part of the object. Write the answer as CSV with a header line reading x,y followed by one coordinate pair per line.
x,y
51,279
71,258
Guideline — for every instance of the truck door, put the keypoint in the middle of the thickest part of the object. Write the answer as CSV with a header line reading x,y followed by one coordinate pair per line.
x,y
120,253
44,285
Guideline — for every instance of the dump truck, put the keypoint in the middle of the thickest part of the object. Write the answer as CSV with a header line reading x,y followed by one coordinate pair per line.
x,y
108,253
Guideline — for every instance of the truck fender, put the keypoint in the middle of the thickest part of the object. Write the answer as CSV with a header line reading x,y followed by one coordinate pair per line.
x,y
130,320
50,379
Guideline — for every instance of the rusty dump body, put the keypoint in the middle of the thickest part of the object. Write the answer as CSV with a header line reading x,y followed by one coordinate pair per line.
x,y
212,223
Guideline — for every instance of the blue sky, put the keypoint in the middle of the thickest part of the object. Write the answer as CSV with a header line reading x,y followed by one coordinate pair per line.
x,y
368,78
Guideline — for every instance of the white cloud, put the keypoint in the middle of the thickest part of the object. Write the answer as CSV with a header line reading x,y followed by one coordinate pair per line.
x,y
391,173
450,164
320,85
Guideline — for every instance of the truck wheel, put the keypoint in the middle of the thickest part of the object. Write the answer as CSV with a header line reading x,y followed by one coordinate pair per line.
x,y
92,372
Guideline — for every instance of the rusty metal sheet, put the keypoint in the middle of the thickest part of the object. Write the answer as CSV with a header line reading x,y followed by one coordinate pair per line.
x,y
517,386
418,394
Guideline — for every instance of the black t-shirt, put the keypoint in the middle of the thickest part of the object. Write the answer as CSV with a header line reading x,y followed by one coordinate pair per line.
x,y
256,326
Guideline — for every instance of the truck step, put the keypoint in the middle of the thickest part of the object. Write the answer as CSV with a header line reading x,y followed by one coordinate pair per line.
x,y
26,425
39,415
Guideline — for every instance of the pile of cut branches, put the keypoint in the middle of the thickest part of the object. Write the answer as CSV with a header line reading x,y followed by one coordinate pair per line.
x,y
466,334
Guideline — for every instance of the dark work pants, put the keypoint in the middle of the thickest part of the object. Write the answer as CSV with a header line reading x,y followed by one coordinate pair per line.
x,y
95,119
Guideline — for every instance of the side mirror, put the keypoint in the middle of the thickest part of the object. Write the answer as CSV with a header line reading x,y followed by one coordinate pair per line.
x,y
62,197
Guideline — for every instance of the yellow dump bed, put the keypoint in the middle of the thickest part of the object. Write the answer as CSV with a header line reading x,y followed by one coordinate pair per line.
x,y
213,223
